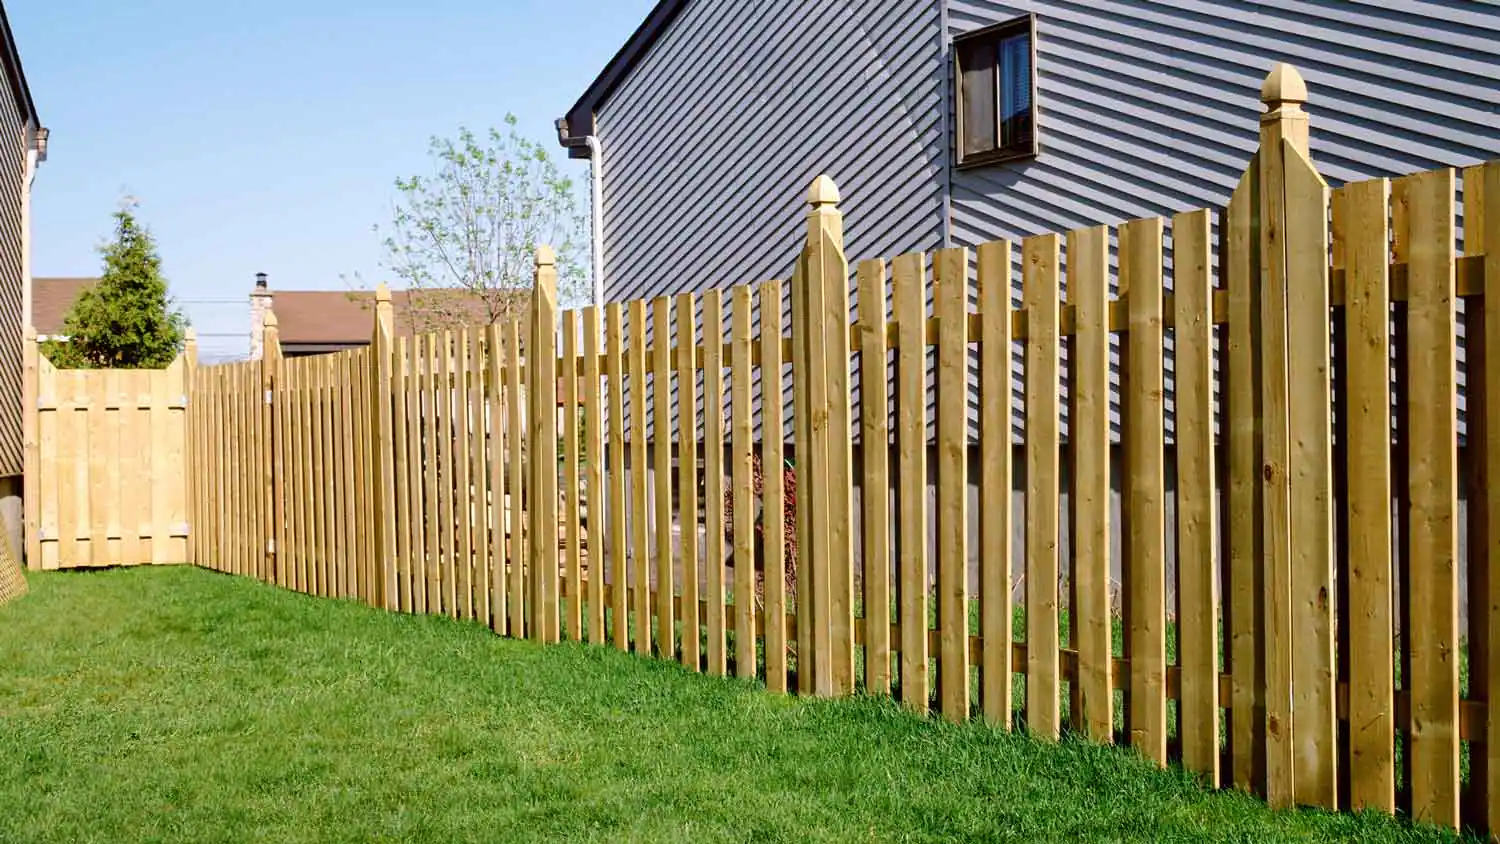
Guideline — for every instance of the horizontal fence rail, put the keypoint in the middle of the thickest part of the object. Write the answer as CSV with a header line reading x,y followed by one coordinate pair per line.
x,y
1271,597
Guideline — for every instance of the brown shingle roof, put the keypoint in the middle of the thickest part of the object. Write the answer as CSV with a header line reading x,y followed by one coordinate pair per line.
x,y
52,298
340,317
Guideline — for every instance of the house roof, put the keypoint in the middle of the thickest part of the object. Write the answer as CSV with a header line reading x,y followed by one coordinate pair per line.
x,y
345,317
17,78
52,298
579,121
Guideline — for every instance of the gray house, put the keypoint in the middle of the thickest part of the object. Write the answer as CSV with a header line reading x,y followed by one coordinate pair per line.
x,y
953,122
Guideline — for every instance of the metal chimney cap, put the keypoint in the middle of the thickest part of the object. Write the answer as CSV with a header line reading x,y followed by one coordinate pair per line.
x,y
260,281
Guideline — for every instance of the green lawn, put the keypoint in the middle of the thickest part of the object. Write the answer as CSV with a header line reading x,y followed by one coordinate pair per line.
x,y
180,705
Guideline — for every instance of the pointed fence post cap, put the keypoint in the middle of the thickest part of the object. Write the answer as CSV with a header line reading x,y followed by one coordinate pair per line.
x,y
545,257
190,337
382,293
823,192
270,319
1283,85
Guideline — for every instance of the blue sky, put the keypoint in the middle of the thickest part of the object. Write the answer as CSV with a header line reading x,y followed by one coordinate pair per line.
x,y
265,136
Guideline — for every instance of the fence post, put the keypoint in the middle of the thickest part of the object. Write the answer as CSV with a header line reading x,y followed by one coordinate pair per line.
x,y
1297,474
381,350
542,513
196,498
270,374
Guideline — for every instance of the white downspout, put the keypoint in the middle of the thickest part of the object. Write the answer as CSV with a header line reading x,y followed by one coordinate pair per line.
x,y
596,214
33,158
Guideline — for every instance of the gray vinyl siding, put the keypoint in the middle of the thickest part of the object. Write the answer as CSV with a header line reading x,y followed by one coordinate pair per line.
x,y
13,145
711,142
1150,107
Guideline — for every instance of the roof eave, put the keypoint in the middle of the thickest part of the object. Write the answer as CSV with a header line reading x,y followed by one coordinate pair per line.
x,y
579,121
17,77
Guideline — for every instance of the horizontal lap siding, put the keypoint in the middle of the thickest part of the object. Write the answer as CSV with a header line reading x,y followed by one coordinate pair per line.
x,y
12,174
1149,107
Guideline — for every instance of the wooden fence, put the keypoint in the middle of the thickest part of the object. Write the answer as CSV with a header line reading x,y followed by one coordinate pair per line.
x,y
1316,496
105,472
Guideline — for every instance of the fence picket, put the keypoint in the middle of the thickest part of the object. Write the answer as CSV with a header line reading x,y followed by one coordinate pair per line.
x,y
1197,594
1432,417
742,470
713,481
594,470
995,433
1488,230
1088,292
908,275
615,377
640,551
494,422
661,453
773,547
875,437
687,476
1368,427
573,512
951,307
1040,290
463,494
520,599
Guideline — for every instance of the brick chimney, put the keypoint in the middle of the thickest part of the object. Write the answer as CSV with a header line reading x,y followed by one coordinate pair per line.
x,y
260,305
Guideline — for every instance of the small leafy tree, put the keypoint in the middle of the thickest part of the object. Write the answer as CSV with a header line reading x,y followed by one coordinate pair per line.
x,y
463,239
126,320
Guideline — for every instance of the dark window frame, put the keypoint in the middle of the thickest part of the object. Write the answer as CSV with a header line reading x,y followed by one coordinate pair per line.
x,y
1025,24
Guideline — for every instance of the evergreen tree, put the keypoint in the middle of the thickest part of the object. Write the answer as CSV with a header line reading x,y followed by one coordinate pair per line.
x,y
127,320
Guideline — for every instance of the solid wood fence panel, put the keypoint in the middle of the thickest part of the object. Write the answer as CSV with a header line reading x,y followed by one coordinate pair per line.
x,y
713,480
995,422
908,276
1432,368
687,477
773,461
1366,246
1198,594
594,469
661,452
1039,258
640,546
742,471
1089,433
951,307
614,376
110,484
875,436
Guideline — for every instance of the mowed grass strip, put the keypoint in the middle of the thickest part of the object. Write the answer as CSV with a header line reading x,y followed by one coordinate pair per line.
x,y
181,705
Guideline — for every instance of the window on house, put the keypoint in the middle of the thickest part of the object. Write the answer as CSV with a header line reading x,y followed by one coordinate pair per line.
x,y
996,72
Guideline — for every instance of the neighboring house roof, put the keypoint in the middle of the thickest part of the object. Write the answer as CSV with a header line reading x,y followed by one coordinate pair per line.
x,y
51,299
579,121
345,317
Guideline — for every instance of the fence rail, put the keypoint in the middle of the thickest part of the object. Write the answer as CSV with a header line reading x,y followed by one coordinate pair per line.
x,y
1315,489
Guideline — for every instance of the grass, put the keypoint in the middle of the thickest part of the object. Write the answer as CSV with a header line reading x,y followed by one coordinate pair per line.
x,y
179,705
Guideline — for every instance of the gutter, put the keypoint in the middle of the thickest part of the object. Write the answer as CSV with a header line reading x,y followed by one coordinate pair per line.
x,y
596,201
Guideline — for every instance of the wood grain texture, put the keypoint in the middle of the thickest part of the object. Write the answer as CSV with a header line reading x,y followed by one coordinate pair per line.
x,y
1198,594
773,551
661,452
1089,434
1432,417
640,551
875,437
594,474
572,479
687,477
995,436
951,306
1039,261
713,479
742,471
908,274
614,378
1488,188
520,598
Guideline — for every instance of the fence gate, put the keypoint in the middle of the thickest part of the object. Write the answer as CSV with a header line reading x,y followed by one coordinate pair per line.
x,y
105,473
